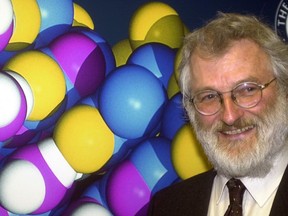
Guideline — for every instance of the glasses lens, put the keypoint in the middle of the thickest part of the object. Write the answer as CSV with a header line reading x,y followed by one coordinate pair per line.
x,y
247,94
207,102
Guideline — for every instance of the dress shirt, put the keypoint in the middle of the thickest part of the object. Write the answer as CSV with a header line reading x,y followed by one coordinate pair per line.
x,y
260,193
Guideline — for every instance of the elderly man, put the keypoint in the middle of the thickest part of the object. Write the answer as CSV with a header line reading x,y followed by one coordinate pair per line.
x,y
234,80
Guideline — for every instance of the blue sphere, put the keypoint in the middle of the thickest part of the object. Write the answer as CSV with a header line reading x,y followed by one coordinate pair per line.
x,y
156,57
174,117
152,158
103,44
131,101
56,19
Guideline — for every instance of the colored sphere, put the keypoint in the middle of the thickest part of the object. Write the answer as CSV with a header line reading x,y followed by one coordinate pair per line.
x,y
45,78
26,89
27,24
5,56
4,212
147,170
121,151
84,138
174,117
48,123
83,64
173,87
23,137
5,37
156,57
177,63
131,101
22,187
13,106
156,22
26,133
56,19
89,208
6,15
187,155
57,174
152,159
122,50
127,191
104,46
6,23
82,18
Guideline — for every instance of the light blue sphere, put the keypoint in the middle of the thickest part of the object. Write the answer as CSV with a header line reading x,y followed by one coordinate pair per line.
x,y
131,101
156,57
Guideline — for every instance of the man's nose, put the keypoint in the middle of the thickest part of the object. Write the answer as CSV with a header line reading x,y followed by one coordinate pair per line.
x,y
230,112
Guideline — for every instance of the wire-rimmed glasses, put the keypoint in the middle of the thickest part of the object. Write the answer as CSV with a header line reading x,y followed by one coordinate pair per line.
x,y
245,95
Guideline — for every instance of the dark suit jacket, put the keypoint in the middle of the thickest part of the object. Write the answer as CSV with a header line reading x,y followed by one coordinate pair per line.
x,y
191,197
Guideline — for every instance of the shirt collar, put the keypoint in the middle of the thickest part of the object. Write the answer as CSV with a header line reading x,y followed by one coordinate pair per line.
x,y
255,186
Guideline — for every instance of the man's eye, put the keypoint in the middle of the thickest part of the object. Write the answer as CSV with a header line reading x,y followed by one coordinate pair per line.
x,y
247,90
251,89
208,97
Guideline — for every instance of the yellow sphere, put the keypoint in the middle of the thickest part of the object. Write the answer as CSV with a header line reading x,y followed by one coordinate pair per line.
x,y
84,139
122,50
45,78
186,30
177,63
173,87
188,157
156,22
81,17
27,24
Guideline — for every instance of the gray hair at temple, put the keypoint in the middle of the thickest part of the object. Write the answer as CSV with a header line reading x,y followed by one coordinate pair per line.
x,y
214,39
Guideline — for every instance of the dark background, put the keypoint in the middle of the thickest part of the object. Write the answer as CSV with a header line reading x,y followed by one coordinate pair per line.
x,y
111,17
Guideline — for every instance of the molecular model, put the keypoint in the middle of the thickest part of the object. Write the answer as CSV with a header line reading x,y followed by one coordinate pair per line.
x,y
75,110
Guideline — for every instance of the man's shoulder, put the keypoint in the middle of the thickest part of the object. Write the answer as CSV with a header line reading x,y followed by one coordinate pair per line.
x,y
194,183
187,197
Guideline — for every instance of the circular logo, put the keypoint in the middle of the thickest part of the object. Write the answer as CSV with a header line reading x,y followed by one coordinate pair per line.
x,y
281,20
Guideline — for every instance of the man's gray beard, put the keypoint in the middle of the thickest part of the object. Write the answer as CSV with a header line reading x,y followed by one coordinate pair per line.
x,y
271,139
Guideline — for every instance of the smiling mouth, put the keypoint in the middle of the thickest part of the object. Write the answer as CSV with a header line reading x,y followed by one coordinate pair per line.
x,y
238,131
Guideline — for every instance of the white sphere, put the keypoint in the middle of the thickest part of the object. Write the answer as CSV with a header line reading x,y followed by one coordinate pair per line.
x,y
6,15
56,162
22,187
26,89
10,100
90,209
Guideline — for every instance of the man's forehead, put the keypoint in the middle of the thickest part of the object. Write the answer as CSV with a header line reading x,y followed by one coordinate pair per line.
x,y
244,59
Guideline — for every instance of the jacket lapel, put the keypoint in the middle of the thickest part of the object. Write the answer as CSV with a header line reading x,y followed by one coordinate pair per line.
x,y
201,197
280,203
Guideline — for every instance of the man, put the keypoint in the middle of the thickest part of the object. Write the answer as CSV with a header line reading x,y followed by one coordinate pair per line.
x,y
234,79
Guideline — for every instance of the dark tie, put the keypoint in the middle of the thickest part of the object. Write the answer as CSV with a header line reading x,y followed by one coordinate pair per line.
x,y
236,191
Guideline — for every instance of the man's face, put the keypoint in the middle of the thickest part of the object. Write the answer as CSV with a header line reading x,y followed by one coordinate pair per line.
x,y
234,135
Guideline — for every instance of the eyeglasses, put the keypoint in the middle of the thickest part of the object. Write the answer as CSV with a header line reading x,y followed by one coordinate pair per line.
x,y
245,95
